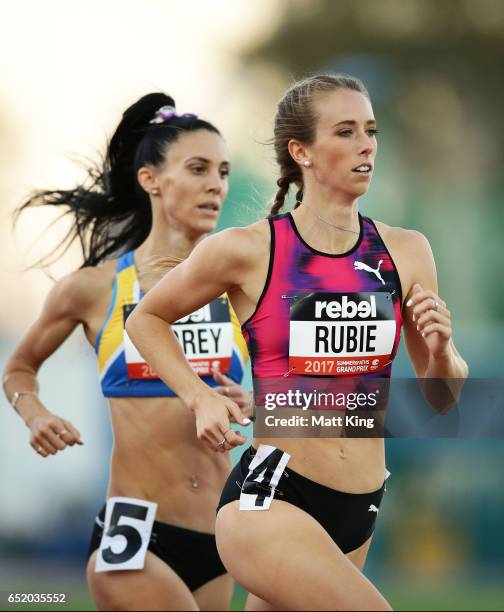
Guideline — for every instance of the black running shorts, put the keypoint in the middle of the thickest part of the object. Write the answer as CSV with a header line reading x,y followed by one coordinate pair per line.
x,y
349,518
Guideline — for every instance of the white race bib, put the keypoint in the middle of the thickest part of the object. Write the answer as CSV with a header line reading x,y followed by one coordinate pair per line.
x,y
206,337
265,471
126,534
335,334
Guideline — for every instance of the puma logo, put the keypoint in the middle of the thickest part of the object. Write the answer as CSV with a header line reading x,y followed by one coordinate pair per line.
x,y
359,265
373,508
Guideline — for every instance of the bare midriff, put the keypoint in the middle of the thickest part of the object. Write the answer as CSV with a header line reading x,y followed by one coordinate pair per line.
x,y
351,465
157,457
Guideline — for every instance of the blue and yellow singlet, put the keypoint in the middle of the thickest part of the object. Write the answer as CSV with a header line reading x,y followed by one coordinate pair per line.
x,y
210,337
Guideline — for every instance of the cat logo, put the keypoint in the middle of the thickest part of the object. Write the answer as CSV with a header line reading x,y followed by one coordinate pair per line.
x,y
359,265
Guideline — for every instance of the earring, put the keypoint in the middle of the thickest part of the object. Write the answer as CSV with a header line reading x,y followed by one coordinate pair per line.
x,y
155,191
307,163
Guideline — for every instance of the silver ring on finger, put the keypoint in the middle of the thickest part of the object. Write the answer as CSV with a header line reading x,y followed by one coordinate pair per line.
x,y
221,443
436,306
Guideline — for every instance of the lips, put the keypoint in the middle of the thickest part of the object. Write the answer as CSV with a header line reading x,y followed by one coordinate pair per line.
x,y
364,168
211,206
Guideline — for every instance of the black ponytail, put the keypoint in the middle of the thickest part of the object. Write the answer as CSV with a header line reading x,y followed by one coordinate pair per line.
x,y
112,213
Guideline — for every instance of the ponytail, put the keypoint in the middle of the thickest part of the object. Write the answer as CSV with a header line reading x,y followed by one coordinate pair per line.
x,y
112,213
284,183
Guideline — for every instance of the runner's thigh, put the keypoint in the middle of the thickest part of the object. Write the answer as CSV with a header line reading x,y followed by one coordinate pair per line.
x,y
283,556
357,557
215,594
155,587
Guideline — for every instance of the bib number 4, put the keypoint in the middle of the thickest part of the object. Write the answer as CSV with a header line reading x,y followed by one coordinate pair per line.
x,y
265,471
126,534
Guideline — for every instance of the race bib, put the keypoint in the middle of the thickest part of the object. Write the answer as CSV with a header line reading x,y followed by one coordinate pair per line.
x,y
335,334
126,534
265,471
206,337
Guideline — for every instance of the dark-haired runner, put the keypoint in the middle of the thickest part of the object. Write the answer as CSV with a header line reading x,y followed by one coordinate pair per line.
x,y
159,193
318,498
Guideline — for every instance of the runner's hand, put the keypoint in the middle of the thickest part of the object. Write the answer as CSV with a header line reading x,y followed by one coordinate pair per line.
x,y
237,393
213,421
432,318
50,434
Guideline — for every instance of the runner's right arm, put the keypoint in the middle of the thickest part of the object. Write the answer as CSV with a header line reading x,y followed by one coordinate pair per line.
x,y
59,317
217,265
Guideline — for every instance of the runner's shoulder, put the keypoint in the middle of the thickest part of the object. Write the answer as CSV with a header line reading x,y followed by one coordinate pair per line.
x,y
408,241
242,244
76,291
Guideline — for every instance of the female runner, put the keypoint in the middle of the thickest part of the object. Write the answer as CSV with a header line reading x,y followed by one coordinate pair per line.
x,y
159,193
288,277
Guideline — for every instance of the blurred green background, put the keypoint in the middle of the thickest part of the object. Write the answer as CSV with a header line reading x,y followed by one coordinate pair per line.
x,y
434,72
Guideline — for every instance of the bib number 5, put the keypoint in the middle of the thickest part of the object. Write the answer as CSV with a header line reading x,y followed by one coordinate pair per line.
x,y
126,534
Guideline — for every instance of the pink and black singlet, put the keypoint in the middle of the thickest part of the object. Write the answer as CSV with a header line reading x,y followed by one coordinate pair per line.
x,y
335,317
325,315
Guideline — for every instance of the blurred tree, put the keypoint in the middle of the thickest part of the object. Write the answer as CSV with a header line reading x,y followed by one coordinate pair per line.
x,y
433,69
246,199
437,64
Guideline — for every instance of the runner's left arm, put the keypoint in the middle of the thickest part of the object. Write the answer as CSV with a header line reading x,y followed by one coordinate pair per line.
x,y
427,324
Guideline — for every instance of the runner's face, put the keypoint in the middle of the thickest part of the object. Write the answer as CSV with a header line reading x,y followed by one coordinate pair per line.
x,y
193,181
345,139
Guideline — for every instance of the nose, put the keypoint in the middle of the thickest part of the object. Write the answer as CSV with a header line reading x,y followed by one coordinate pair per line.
x,y
367,144
216,183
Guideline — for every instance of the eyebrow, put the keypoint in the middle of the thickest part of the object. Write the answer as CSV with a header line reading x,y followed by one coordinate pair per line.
x,y
205,160
353,122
